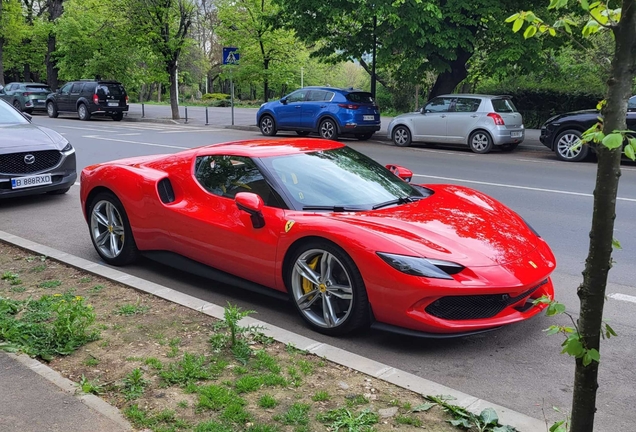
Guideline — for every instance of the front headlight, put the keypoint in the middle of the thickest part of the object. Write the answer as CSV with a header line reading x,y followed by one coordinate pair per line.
x,y
417,266
68,148
263,104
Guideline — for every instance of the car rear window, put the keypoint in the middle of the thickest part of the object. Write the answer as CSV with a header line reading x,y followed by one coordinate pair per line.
x,y
360,97
111,90
38,88
503,105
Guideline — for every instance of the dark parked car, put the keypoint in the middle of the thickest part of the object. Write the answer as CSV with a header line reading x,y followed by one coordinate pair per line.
x,y
88,98
326,110
27,97
33,159
560,133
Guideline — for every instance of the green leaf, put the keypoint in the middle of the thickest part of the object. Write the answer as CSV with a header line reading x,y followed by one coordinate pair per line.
x,y
609,331
552,330
552,31
517,25
629,152
461,422
559,427
585,5
555,308
505,428
423,407
613,140
594,355
489,416
573,346
512,18
530,32
616,244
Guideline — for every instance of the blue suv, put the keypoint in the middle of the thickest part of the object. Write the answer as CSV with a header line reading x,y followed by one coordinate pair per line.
x,y
330,112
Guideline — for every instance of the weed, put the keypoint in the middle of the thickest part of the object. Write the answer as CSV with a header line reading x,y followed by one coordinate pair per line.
x,y
262,428
295,377
134,384
262,339
305,366
189,369
17,289
104,344
267,401
97,288
39,268
235,413
320,396
250,383
297,414
91,361
160,338
164,420
174,347
342,418
50,284
240,370
487,420
85,280
131,309
91,387
212,426
357,400
182,404
408,420
291,349
117,327
264,361
215,398
153,363
10,276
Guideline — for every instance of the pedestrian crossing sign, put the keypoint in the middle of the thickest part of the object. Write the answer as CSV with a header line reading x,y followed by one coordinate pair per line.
x,y
230,55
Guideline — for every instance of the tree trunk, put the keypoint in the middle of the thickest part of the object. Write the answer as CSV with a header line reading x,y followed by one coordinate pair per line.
x,y
51,69
174,103
447,81
266,79
158,92
592,291
1,60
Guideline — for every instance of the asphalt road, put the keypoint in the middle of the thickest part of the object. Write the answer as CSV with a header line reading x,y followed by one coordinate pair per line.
x,y
517,366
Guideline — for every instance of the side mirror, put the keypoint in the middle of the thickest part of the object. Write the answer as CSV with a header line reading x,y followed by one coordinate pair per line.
x,y
1,89
401,172
423,110
283,101
252,204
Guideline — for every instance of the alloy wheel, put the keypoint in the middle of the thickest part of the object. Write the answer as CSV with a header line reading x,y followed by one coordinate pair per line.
x,y
50,109
565,146
480,142
267,125
401,137
322,288
107,229
327,129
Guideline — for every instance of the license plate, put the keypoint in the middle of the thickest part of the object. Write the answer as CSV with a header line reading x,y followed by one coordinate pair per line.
x,y
113,103
39,101
368,117
30,181
516,134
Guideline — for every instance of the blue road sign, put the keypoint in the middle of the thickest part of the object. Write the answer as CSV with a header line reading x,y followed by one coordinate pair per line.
x,y
230,55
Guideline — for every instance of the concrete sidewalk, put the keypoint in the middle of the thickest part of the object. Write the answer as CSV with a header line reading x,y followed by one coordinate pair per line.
x,y
35,398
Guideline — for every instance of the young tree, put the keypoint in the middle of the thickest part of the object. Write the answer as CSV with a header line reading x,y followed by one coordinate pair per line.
x,y
165,25
55,9
11,23
609,136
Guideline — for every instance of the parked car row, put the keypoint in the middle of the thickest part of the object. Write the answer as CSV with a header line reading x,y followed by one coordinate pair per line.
x,y
87,98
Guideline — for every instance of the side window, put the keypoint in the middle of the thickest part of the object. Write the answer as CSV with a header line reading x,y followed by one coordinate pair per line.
x,y
89,88
438,105
9,87
317,96
329,96
67,88
76,88
631,104
297,96
228,175
467,104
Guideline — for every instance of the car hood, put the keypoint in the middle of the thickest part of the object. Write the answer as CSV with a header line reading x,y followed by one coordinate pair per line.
x,y
582,114
455,224
28,137
407,115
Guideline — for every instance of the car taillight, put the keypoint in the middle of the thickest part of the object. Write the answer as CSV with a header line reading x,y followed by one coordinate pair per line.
x,y
126,99
497,119
349,106
95,99
27,94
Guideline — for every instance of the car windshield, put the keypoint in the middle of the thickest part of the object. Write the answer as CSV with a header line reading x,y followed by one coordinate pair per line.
x,y
503,105
339,178
9,115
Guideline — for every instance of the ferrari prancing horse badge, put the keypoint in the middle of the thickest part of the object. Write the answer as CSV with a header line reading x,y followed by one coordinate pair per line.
x,y
290,223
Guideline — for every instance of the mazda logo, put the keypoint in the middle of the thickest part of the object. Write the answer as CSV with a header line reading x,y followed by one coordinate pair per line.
x,y
29,159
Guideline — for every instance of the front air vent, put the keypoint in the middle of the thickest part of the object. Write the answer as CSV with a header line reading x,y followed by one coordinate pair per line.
x,y
166,193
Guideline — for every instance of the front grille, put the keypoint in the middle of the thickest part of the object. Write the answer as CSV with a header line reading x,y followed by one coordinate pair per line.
x,y
13,163
475,306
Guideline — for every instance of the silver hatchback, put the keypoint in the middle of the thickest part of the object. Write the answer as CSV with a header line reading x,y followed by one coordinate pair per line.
x,y
480,121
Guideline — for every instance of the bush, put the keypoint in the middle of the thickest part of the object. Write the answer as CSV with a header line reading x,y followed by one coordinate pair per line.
x,y
215,97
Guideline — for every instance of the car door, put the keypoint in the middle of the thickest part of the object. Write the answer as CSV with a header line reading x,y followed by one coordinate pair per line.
x,y
62,98
212,230
315,102
462,119
631,113
3,93
288,114
431,124
74,95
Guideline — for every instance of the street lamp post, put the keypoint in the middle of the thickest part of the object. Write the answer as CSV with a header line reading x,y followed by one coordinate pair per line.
x,y
375,43
302,77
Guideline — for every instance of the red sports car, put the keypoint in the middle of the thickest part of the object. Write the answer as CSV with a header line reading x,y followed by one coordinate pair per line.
x,y
349,241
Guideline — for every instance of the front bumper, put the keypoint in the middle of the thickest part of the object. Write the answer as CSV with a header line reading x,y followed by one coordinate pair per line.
x,y
63,176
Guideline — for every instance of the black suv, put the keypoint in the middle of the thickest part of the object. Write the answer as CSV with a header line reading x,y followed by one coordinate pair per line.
x,y
88,98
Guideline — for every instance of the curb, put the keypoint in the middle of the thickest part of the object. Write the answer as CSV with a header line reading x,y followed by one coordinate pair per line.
x,y
250,128
364,365
150,120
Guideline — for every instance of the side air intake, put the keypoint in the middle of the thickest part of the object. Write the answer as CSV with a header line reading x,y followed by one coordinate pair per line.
x,y
166,193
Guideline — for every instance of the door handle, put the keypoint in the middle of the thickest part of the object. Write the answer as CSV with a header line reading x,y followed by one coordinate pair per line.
x,y
297,106
443,116
474,116
323,106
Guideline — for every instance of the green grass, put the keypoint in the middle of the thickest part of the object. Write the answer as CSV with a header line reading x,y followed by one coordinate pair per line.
x,y
267,401
162,421
50,284
344,419
97,288
250,383
182,404
90,387
134,384
297,414
357,400
91,361
219,398
190,369
131,309
39,268
153,363
212,426
321,396
263,428
408,420
17,289
306,367
294,376
264,361
85,280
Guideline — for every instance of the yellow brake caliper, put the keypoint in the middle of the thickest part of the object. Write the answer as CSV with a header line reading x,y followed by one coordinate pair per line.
x,y
307,285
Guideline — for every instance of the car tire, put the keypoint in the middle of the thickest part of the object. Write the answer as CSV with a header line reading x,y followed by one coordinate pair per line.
x,y
110,230
267,125
303,133
328,129
564,142
364,137
346,314
401,136
17,105
480,142
83,113
118,117
509,147
51,110
59,191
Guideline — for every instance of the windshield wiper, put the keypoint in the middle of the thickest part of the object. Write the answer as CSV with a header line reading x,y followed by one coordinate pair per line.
x,y
401,200
332,208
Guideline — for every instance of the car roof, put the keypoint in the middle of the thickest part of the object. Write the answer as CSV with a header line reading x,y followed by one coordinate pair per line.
x,y
260,148
484,96
29,83
346,90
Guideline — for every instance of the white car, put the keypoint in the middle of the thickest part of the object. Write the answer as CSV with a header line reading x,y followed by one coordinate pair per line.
x,y
479,121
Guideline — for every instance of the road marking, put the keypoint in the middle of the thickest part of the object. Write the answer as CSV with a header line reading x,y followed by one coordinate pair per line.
x,y
76,184
622,297
518,187
134,142
190,131
130,134
85,128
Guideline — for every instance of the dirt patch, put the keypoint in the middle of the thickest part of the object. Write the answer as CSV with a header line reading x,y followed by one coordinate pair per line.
x,y
155,362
